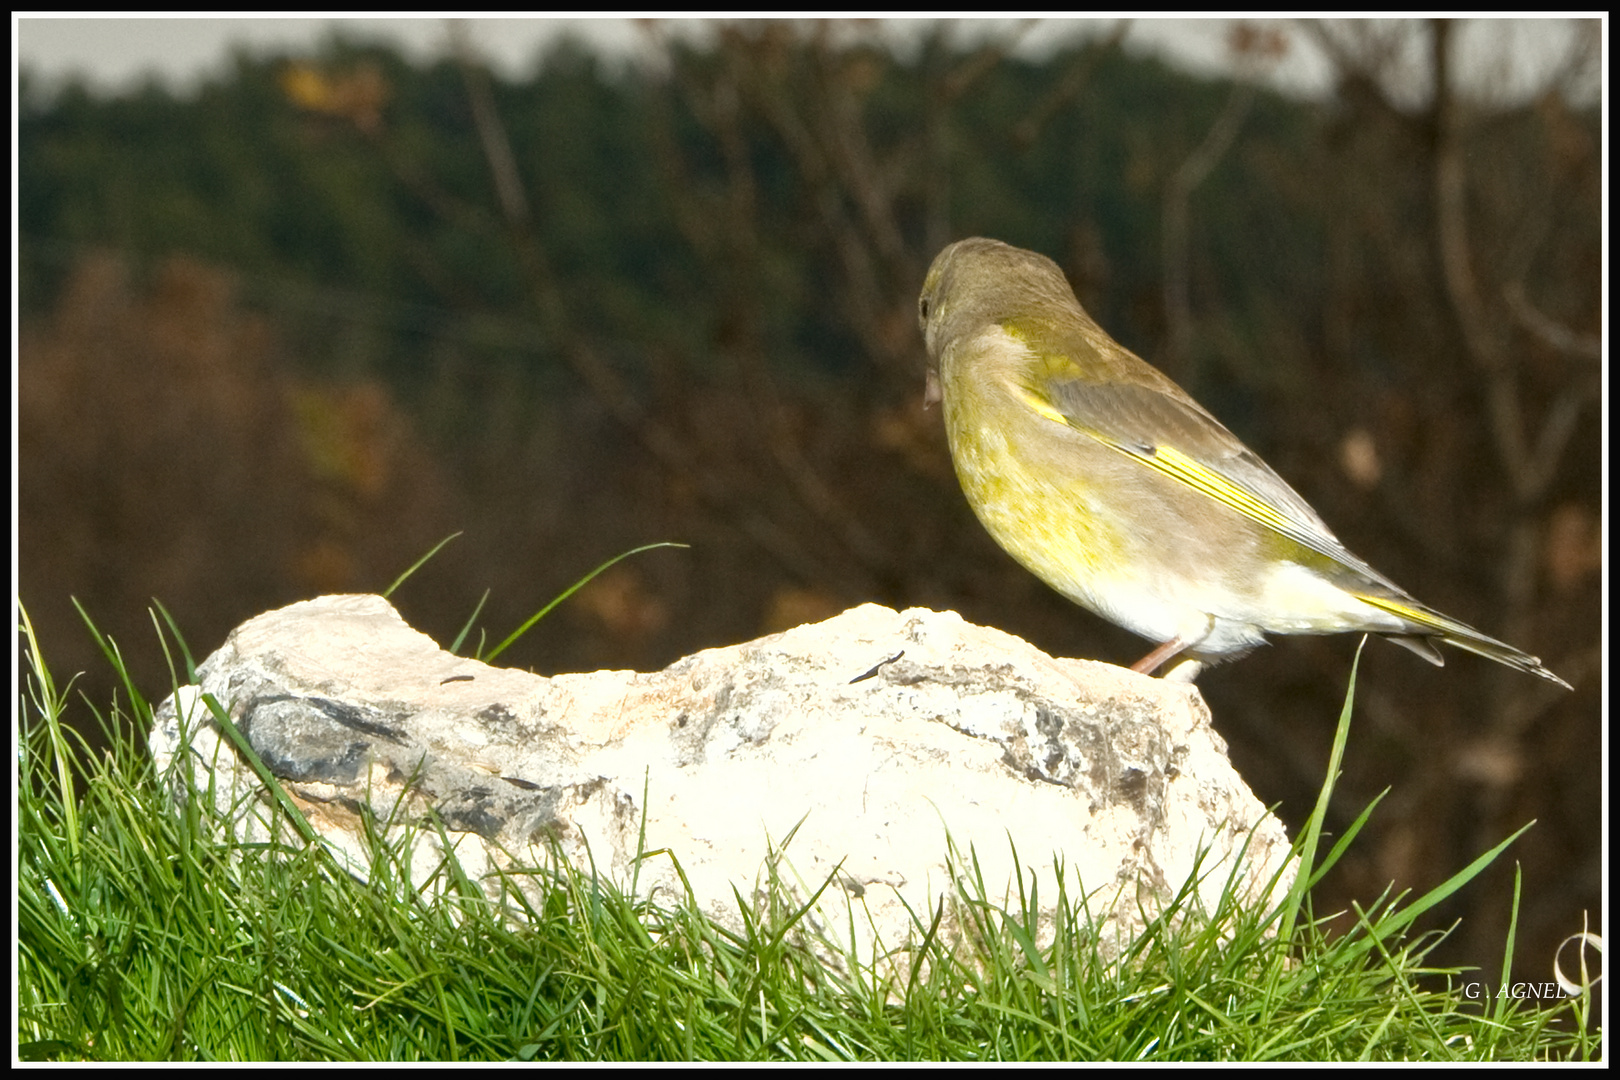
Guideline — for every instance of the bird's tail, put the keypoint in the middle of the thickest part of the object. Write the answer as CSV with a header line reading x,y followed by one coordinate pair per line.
x,y
1430,626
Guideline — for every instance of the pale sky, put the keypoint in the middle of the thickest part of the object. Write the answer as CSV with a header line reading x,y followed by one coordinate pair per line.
x,y
115,54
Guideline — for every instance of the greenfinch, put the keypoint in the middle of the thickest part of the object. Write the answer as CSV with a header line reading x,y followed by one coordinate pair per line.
x,y
1113,486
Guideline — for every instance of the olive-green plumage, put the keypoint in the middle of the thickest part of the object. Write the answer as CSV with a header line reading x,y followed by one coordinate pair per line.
x,y
1110,484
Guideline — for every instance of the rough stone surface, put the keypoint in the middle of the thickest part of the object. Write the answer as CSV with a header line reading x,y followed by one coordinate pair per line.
x,y
848,748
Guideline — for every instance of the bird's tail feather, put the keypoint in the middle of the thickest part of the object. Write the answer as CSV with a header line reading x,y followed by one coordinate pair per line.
x,y
1433,626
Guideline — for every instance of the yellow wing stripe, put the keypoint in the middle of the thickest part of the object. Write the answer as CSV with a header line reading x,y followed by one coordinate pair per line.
x,y
1042,406
1431,620
1172,462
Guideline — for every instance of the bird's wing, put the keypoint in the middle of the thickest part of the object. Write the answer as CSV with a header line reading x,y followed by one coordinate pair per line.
x,y
1166,430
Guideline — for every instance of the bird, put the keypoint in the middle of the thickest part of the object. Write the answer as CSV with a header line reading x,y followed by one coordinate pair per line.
x,y
1111,484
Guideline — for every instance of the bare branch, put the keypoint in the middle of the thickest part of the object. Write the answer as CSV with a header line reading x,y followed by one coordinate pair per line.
x,y
1069,87
982,61
491,133
1177,197
1554,333
661,440
1484,347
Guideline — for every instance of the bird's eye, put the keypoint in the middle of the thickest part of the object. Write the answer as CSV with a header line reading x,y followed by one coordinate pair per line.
x,y
922,306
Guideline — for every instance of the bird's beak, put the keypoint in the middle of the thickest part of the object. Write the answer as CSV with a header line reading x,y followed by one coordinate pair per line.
x,y
933,394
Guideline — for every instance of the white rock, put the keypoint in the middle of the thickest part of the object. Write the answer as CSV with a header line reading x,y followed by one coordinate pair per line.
x,y
852,746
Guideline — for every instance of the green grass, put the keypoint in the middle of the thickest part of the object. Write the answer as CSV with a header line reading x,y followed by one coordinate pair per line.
x,y
142,935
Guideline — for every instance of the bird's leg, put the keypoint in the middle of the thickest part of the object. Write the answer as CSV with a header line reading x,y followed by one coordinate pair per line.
x,y
1187,670
1151,662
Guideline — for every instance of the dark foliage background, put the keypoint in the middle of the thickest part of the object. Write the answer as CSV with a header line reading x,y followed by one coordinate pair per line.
x,y
280,336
